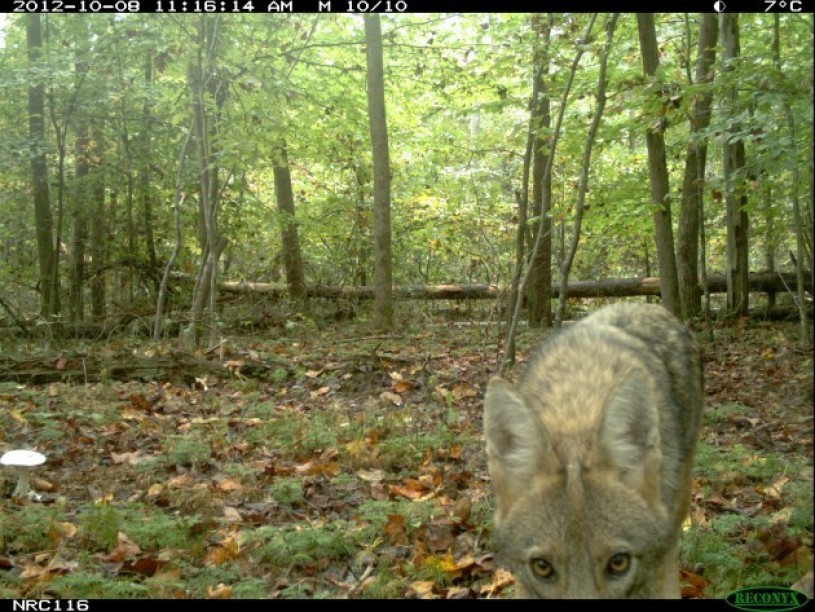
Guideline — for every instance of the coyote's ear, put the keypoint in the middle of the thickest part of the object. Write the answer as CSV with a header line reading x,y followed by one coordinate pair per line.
x,y
516,444
628,437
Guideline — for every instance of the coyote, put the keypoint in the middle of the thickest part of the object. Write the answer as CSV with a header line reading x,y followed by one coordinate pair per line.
x,y
590,456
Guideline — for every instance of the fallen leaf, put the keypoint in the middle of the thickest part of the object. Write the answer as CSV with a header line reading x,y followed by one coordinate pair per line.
x,y
423,589
501,579
230,484
179,482
693,585
395,529
463,508
232,515
139,402
65,530
124,548
226,550
154,490
220,592
774,489
800,559
355,448
41,484
371,475
403,386
320,391
144,566
391,397
129,458
462,390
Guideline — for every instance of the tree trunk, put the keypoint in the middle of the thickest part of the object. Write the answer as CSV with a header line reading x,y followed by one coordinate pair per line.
x,y
200,79
687,238
509,354
39,169
79,223
145,175
98,227
383,283
580,205
733,165
806,328
764,282
178,199
658,174
539,293
292,260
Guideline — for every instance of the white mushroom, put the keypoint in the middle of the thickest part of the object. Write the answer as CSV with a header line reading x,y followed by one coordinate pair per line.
x,y
21,462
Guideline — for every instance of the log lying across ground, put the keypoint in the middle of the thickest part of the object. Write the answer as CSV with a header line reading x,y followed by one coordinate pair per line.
x,y
77,367
770,282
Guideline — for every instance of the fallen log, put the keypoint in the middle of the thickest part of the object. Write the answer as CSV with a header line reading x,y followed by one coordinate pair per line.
x,y
124,365
768,282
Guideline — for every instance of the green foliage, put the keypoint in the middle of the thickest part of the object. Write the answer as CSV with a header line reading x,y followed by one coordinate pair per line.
x,y
723,568
150,529
156,530
384,586
458,118
737,466
82,585
718,463
300,547
295,434
250,588
187,450
287,491
27,529
99,524
198,579
376,514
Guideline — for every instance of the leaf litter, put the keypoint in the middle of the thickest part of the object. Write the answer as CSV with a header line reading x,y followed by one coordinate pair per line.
x,y
361,473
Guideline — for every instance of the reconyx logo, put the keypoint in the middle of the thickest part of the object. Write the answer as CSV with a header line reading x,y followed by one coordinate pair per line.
x,y
757,599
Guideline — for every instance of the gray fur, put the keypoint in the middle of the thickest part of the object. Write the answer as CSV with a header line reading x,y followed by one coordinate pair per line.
x,y
590,456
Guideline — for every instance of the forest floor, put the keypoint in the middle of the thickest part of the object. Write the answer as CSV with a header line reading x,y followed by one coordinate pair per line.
x,y
360,472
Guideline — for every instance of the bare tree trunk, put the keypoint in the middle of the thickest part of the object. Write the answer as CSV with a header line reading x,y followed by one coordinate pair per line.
x,y
178,200
292,259
145,175
539,291
360,235
79,224
580,205
687,238
770,237
509,356
658,175
98,227
736,196
130,222
204,77
522,199
383,278
805,329
39,169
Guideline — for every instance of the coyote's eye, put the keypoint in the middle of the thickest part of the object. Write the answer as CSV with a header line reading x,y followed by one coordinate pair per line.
x,y
542,568
619,564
